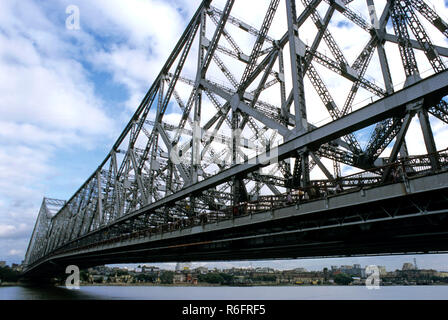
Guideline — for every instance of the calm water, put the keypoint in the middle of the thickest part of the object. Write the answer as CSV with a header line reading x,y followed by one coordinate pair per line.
x,y
227,293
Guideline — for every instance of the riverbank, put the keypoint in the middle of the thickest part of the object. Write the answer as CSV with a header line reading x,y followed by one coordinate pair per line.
x,y
10,284
245,285
120,284
148,284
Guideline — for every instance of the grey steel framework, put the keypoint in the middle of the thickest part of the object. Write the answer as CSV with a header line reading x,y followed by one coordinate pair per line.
x,y
244,145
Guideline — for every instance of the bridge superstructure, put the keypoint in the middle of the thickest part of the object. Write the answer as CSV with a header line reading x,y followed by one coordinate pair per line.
x,y
246,171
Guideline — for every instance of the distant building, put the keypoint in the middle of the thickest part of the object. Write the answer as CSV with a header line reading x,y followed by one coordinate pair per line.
x,y
382,270
201,270
150,269
442,274
2,264
184,278
96,278
181,266
17,267
300,270
264,270
408,266
428,273
179,278
354,271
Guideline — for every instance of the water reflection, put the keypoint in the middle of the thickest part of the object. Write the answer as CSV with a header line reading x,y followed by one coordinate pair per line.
x,y
225,293
28,292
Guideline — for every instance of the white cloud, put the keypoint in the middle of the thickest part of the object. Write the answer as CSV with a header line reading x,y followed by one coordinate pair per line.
x,y
151,29
47,104
54,96
15,252
12,231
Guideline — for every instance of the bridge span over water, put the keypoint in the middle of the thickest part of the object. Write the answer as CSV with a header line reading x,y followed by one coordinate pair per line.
x,y
248,172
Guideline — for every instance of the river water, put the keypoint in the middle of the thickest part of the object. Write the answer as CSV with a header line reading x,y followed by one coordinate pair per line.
x,y
226,293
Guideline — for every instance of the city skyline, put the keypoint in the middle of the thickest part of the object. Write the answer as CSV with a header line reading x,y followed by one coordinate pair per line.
x,y
279,265
438,262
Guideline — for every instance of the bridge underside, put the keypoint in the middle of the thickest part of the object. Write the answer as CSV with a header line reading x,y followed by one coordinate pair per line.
x,y
398,218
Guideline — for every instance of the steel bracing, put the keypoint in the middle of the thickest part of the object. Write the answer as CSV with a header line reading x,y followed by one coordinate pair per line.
x,y
246,97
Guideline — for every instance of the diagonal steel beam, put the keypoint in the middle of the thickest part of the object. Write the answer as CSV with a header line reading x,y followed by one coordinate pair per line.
x,y
377,111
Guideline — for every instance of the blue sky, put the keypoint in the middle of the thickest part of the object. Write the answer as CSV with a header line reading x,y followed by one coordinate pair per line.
x,y
65,96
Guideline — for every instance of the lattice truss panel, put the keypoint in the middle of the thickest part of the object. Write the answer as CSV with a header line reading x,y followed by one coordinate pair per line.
x,y
232,90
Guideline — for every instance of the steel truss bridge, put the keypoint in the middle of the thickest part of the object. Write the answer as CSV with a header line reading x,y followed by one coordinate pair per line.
x,y
247,171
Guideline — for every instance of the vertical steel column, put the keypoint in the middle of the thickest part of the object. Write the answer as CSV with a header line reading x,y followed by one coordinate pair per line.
x,y
100,196
399,22
379,26
380,31
400,138
155,140
116,193
281,78
140,185
429,138
196,139
297,53
197,132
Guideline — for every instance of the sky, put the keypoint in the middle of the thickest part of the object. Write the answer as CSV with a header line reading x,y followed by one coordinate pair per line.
x,y
66,94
